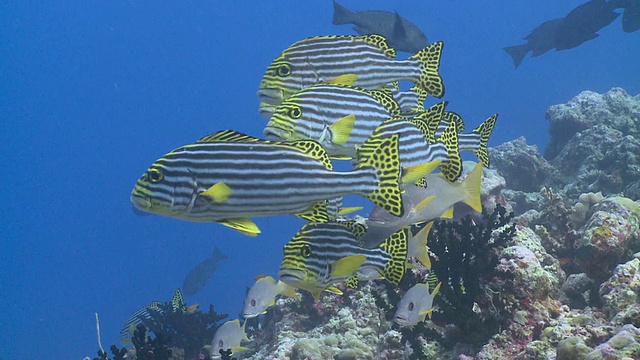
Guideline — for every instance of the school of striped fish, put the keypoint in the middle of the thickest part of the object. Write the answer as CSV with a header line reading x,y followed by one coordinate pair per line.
x,y
328,99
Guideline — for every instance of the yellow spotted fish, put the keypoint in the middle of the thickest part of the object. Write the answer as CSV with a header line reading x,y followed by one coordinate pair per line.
x,y
321,59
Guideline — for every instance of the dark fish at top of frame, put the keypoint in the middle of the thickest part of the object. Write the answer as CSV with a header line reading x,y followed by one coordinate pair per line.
x,y
401,34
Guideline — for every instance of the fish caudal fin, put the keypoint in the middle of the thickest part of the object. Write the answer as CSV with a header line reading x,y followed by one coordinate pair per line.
x,y
385,160
471,186
484,131
396,246
451,167
517,53
428,120
341,15
429,59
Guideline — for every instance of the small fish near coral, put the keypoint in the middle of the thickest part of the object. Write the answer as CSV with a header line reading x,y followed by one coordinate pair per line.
x,y
198,277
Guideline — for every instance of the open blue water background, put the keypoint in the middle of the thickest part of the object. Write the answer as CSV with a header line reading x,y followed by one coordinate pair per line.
x,y
92,92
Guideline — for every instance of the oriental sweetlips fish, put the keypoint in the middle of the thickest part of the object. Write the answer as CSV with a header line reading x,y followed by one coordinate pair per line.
x,y
228,177
320,59
321,255
146,314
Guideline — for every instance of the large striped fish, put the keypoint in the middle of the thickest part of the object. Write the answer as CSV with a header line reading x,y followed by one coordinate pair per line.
x,y
321,58
337,116
321,255
228,177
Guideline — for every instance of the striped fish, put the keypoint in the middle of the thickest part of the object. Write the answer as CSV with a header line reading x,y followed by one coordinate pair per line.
x,y
321,255
414,148
411,101
338,117
476,141
317,59
146,314
228,177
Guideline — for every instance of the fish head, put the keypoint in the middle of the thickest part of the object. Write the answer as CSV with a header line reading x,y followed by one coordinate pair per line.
x,y
292,120
412,304
163,191
298,265
279,81
228,336
259,297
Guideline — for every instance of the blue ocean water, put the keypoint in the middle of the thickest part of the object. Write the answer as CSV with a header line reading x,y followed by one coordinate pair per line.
x,y
92,92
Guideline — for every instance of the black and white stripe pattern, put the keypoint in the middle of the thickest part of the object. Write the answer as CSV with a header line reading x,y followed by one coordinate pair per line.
x,y
265,178
317,246
321,106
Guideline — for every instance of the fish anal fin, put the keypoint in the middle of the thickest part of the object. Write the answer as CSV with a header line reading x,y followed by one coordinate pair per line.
x,y
447,214
245,226
317,212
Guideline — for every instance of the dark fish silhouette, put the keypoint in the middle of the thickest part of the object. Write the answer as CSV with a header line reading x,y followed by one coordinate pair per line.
x,y
401,34
198,277
578,27
631,16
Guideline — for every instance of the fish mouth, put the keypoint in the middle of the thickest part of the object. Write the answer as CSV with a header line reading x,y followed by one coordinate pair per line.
x,y
266,110
140,202
249,315
401,320
270,96
274,133
291,277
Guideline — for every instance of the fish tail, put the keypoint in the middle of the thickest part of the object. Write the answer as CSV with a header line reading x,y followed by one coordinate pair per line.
x,y
218,254
396,247
484,131
428,120
451,167
517,53
341,15
429,59
471,186
385,160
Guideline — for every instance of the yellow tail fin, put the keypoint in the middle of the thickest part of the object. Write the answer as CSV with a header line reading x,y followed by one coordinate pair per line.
x,y
471,185
429,59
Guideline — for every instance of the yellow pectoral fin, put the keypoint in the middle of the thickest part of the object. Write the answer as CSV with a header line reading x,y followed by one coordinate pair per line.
x,y
218,193
414,173
341,129
347,210
333,290
245,226
424,203
344,79
347,265
447,214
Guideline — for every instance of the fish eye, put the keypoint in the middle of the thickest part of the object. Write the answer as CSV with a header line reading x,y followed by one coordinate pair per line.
x,y
220,343
295,112
253,302
155,175
411,306
284,70
305,251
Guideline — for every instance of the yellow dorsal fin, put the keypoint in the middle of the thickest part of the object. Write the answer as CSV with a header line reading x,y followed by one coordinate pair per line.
x,y
380,42
341,129
344,79
347,265
245,226
218,193
313,149
471,185
424,203
228,136
414,173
